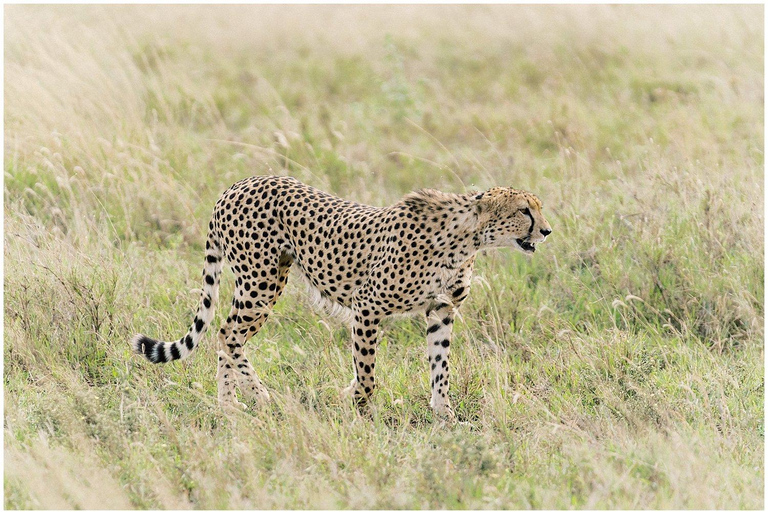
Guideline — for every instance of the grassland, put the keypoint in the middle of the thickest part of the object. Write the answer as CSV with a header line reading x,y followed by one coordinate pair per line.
x,y
621,367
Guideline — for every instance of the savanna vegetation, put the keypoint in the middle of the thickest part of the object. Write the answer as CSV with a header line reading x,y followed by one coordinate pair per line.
x,y
620,367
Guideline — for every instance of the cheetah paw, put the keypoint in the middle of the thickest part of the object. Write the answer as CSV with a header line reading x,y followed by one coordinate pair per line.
x,y
349,391
232,403
254,390
445,413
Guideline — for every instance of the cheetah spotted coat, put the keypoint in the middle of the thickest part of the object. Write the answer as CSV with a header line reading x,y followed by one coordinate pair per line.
x,y
364,262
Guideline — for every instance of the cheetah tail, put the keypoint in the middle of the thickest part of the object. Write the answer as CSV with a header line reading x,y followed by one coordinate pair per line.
x,y
165,352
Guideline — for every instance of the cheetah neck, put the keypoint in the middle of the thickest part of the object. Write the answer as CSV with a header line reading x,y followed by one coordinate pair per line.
x,y
453,221
458,237
457,255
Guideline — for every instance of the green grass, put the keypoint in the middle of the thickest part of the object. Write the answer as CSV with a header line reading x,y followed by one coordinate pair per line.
x,y
620,367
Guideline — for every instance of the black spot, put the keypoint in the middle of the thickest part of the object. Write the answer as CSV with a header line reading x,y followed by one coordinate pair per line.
x,y
445,343
175,354
433,328
199,324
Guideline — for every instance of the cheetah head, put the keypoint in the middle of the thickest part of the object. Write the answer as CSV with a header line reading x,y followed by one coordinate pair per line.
x,y
511,218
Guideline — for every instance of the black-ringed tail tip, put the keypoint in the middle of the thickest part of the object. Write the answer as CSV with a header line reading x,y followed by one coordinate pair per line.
x,y
146,346
157,351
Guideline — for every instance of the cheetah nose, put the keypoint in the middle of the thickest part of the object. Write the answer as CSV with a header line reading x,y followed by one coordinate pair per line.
x,y
546,232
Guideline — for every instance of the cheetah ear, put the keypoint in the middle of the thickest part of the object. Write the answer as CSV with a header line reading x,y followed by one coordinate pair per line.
x,y
480,205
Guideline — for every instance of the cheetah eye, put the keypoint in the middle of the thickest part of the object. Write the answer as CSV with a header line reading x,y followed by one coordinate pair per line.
x,y
526,211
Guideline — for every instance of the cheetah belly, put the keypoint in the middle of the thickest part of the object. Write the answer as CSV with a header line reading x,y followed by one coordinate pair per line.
x,y
319,300
333,263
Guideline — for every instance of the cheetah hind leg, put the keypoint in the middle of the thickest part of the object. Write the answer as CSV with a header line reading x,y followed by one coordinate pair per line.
x,y
245,379
225,380
234,370
250,321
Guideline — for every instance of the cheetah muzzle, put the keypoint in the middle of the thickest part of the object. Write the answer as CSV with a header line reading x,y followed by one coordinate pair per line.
x,y
364,263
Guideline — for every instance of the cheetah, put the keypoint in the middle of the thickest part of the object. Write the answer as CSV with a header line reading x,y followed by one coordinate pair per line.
x,y
365,262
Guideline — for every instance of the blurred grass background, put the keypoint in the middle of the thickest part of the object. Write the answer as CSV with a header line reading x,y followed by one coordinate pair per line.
x,y
621,367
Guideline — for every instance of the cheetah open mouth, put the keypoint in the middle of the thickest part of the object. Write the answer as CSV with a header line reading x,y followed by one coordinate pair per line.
x,y
525,245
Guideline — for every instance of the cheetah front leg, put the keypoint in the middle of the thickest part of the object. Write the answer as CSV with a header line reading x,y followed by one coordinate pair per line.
x,y
439,330
365,331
